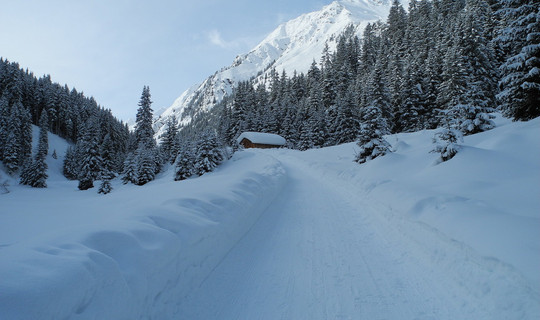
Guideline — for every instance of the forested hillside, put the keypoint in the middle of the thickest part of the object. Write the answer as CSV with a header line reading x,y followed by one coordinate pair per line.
x,y
438,64
26,100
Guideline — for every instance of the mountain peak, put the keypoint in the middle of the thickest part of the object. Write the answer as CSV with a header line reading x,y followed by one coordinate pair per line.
x,y
292,46
366,2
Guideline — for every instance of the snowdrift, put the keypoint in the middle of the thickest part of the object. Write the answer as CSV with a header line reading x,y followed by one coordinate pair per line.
x,y
486,198
130,254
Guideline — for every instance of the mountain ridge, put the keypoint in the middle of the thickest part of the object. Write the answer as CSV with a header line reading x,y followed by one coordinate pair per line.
x,y
292,46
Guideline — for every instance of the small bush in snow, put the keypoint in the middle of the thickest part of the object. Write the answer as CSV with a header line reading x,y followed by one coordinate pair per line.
x,y
105,186
446,143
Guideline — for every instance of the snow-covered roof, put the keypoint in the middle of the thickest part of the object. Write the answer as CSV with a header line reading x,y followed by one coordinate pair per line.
x,y
263,138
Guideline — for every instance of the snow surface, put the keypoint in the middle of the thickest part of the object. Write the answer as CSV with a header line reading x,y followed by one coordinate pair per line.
x,y
291,46
262,138
283,234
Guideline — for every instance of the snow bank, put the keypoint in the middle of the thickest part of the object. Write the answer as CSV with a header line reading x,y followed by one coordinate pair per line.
x,y
486,198
131,254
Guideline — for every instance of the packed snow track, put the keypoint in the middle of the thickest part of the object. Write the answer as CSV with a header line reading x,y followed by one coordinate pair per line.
x,y
320,251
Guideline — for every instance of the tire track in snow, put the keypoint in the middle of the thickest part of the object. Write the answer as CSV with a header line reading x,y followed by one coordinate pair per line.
x,y
320,253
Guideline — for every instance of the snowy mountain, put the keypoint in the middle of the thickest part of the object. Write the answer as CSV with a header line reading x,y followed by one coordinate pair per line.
x,y
292,46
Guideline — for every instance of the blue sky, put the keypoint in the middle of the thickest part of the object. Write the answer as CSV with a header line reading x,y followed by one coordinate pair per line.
x,y
111,49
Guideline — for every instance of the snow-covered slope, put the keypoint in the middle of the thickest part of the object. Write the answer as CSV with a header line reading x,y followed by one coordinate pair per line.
x,y
284,234
132,254
292,46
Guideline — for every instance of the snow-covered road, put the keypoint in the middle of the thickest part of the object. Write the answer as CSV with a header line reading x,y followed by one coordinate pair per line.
x,y
284,234
320,251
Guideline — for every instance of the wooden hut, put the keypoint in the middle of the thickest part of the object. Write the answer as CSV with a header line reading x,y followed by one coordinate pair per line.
x,y
261,140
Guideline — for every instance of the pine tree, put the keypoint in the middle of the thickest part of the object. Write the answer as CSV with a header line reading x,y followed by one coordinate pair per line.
x,y
4,122
105,186
378,97
12,147
146,170
184,163
91,160
107,157
208,154
25,134
71,166
11,153
520,82
43,142
106,172
371,141
306,137
411,107
168,143
146,156
348,123
143,128
130,169
35,174
446,143
467,94
24,177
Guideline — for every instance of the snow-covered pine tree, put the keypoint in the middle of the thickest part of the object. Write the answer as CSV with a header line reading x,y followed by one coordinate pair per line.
x,y
144,132
146,166
43,142
370,139
477,57
105,186
24,177
107,157
184,163
520,82
130,169
348,122
467,93
394,40
90,159
208,154
374,123
106,170
35,174
146,156
71,166
446,143
306,137
13,144
224,126
4,123
168,142
411,106
25,134
11,153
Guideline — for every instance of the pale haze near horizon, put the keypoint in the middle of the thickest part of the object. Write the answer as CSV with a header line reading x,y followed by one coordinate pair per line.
x,y
111,49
